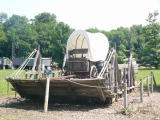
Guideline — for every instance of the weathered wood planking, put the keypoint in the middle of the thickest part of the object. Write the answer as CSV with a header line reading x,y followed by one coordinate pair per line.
x,y
62,88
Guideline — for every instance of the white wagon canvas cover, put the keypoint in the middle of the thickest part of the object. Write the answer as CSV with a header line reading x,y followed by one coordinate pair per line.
x,y
96,43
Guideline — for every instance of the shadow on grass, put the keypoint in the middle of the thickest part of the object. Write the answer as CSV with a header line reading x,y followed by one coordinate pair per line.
x,y
157,88
148,69
19,103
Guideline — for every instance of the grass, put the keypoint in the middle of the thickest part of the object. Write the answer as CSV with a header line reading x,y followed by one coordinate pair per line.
x,y
4,85
144,72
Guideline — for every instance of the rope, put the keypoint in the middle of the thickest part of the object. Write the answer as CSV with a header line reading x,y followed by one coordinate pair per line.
x,y
24,64
18,72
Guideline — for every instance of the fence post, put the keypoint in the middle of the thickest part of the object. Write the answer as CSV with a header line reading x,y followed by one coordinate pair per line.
x,y
46,95
154,79
141,90
151,83
125,98
148,86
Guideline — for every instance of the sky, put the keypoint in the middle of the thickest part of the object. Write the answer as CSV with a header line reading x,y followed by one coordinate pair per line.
x,y
83,14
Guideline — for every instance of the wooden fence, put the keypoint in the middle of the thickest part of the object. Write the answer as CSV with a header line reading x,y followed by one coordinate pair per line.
x,y
150,80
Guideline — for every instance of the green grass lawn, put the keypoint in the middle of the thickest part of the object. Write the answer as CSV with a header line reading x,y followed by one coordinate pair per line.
x,y
144,72
3,84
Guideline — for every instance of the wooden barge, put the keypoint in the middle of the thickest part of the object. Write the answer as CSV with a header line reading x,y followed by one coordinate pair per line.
x,y
84,81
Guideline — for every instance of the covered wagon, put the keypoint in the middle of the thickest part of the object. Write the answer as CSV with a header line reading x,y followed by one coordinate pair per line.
x,y
85,53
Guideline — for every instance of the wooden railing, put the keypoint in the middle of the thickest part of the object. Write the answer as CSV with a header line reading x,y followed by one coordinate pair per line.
x,y
150,80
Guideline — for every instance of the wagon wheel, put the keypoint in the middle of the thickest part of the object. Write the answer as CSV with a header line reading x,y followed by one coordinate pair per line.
x,y
93,72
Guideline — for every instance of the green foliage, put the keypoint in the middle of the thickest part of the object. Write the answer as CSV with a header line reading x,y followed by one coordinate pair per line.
x,y
121,53
45,18
16,21
138,44
93,30
151,50
2,39
3,17
51,36
25,35
19,33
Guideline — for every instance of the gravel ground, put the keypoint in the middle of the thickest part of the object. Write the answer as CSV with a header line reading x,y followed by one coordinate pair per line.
x,y
12,108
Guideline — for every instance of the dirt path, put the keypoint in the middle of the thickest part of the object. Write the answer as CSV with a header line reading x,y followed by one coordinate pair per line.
x,y
19,109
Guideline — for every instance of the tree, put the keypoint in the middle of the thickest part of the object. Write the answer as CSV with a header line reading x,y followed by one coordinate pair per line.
x,y
52,36
121,54
2,40
151,50
45,18
93,30
3,17
20,34
139,41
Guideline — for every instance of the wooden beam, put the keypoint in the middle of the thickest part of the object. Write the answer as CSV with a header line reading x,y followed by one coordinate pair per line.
x,y
154,79
101,93
129,66
151,84
46,94
125,98
141,90
35,61
148,90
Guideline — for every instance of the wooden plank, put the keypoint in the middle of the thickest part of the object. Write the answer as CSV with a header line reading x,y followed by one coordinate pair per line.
x,y
59,87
